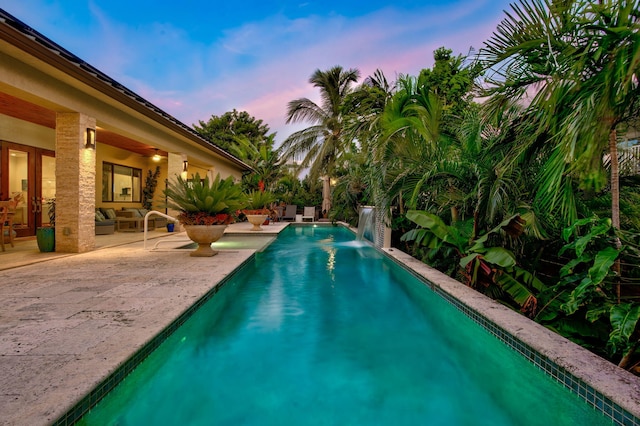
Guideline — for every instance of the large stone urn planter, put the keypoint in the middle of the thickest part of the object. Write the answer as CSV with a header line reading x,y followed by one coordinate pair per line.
x,y
204,235
256,220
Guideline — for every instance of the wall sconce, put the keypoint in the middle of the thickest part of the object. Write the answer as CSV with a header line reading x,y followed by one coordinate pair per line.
x,y
90,141
185,168
156,157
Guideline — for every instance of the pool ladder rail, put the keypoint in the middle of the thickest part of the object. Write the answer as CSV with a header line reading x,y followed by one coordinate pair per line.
x,y
146,229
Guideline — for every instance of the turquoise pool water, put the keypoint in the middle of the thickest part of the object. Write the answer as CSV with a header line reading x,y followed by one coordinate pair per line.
x,y
320,329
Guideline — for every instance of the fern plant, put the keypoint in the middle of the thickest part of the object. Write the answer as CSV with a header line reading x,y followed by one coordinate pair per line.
x,y
204,202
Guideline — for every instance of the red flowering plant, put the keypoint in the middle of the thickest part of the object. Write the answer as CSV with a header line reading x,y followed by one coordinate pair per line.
x,y
205,202
202,218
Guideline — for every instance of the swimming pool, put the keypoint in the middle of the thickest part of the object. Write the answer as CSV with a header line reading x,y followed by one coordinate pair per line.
x,y
322,329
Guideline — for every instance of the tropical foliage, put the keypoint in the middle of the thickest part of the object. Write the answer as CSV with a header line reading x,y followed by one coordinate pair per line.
x,y
482,263
259,200
223,130
204,202
587,290
522,196
267,163
580,60
320,146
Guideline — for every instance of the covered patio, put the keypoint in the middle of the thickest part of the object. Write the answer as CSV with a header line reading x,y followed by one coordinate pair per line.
x,y
71,133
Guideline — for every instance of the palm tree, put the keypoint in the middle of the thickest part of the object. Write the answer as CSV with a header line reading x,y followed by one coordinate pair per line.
x,y
410,143
582,61
321,144
365,106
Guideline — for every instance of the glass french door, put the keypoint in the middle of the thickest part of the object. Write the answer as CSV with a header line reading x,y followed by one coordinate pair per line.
x,y
29,175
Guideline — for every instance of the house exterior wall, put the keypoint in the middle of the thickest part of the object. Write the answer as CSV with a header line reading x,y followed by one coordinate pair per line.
x,y
25,133
45,79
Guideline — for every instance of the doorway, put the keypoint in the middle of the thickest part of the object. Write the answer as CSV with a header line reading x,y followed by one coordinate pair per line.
x,y
30,174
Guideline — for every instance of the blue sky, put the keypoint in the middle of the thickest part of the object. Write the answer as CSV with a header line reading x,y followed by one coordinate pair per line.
x,y
197,58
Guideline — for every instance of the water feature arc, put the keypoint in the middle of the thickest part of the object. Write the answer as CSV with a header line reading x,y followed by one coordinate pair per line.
x,y
367,224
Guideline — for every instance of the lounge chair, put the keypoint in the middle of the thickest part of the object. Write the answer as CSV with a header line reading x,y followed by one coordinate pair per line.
x,y
309,214
279,213
124,220
7,211
6,228
289,214
104,226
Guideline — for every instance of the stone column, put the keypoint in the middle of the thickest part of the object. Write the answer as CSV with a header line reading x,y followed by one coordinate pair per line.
x,y
211,173
174,169
75,184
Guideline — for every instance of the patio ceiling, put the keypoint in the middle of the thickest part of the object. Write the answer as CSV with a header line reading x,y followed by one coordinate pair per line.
x,y
27,111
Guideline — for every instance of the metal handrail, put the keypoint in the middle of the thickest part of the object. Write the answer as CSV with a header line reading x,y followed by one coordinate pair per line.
x,y
172,241
146,222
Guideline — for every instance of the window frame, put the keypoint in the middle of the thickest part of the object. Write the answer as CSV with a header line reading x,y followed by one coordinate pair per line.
x,y
110,186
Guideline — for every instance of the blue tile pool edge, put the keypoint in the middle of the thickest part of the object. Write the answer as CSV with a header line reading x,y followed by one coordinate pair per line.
x,y
596,399
82,407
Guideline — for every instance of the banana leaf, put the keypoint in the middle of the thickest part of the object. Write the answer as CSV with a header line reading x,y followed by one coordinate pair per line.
x,y
624,318
602,264
517,291
437,226
498,256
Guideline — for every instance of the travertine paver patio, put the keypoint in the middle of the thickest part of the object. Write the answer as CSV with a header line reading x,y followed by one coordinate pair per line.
x,y
66,323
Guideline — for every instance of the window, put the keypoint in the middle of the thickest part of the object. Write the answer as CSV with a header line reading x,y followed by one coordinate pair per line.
x,y
121,183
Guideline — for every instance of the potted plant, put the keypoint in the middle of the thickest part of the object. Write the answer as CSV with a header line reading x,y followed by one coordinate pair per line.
x,y
257,212
46,235
206,208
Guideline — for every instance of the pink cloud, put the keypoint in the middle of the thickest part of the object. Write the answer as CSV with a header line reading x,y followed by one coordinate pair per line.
x,y
264,65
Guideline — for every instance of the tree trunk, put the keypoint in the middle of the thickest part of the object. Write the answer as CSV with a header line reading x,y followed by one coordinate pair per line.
x,y
626,359
454,214
615,200
326,195
615,181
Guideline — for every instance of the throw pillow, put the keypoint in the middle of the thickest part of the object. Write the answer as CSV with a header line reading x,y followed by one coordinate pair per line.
x,y
109,213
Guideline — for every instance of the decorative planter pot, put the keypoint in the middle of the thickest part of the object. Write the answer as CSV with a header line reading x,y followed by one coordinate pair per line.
x,y
256,220
46,238
204,235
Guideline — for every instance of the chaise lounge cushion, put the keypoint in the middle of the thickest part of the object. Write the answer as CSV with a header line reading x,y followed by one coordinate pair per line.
x,y
108,213
158,221
131,212
154,220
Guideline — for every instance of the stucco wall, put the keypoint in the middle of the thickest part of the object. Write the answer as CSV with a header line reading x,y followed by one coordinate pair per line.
x,y
110,154
25,133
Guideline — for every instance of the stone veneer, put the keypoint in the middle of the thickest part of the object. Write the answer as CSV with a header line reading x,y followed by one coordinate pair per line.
x,y
174,168
75,189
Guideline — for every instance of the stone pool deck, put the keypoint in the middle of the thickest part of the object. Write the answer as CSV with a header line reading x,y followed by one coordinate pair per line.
x,y
68,322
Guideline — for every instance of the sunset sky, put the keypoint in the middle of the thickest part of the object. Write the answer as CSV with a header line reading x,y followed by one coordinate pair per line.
x,y
196,58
